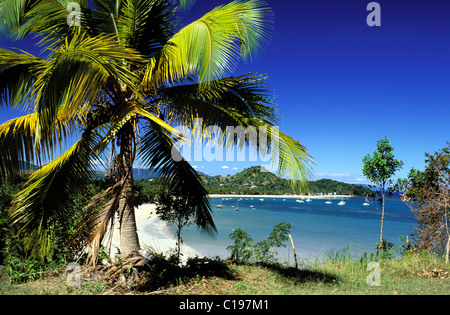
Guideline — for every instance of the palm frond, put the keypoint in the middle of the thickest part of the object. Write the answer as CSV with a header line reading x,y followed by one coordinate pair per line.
x,y
77,72
159,122
17,141
54,20
18,72
40,207
290,158
98,218
48,18
12,16
17,144
292,161
156,149
240,101
145,24
210,47
184,4
247,94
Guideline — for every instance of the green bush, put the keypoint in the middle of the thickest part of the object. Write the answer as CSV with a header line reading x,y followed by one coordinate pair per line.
x,y
263,252
242,250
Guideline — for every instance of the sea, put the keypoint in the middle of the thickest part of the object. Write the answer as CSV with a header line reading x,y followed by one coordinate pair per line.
x,y
320,226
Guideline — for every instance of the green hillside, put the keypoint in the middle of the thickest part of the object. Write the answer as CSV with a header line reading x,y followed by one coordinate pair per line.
x,y
256,182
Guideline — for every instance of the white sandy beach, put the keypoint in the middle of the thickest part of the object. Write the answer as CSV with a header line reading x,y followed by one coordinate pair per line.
x,y
153,233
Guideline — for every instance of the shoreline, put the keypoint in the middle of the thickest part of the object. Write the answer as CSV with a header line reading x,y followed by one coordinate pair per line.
x,y
284,196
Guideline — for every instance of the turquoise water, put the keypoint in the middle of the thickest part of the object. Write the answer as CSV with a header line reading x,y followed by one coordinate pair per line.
x,y
318,227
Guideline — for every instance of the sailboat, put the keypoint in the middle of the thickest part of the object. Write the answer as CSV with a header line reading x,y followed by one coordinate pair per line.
x,y
236,209
366,203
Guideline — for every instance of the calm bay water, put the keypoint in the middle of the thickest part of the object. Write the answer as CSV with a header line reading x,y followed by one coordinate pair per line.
x,y
318,227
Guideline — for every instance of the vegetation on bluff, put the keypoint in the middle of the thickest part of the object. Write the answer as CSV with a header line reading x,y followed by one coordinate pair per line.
x,y
257,181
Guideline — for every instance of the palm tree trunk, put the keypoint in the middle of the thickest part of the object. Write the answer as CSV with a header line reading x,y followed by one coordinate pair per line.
x,y
129,241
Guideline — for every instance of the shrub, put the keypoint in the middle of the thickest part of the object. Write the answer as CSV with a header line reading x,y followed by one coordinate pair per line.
x,y
243,250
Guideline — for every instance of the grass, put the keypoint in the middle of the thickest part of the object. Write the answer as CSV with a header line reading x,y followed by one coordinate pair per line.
x,y
55,285
412,274
405,276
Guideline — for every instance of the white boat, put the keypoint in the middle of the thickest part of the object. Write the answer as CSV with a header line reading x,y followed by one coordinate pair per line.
x,y
261,199
366,204
219,206
328,202
299,200
341,203
308,200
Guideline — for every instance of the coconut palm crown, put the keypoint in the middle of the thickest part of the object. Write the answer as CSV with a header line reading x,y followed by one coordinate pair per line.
x,y
113,80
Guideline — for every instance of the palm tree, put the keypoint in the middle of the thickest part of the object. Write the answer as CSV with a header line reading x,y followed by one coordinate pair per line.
x,y
113,80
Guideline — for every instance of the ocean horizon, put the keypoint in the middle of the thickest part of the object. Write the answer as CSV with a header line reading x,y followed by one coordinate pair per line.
x,y
318,227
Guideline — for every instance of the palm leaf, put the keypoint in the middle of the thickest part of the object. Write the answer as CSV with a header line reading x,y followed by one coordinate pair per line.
x,y
211,46
290,158
52,21
145,24
77,72
12,15
17,141
40,207
185,4
98,218
293,161
17,144
241,101
156,152
247,93
18,73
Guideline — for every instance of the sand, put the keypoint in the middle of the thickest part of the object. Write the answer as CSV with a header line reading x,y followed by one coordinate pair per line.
x,y
153,233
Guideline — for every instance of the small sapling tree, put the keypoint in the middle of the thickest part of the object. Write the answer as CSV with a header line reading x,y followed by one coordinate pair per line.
x,y
379,168
174,208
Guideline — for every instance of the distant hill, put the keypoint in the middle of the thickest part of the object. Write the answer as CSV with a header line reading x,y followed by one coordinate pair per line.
x,y
254,181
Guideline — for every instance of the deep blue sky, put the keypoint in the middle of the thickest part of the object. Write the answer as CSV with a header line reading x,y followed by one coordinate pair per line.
x,y
341,85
